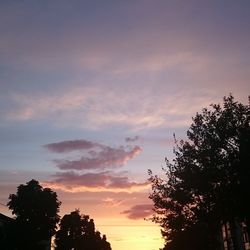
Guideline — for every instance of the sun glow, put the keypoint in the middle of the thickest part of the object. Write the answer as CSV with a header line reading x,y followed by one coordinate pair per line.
x,y
133,235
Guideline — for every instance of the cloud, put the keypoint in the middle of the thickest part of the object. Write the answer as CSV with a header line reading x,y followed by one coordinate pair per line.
x,y
107,157
111,202
96,157
139,211
95,182
86,107
132,139
152,54
68,146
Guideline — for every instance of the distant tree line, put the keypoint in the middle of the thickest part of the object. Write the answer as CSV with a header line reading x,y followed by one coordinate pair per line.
x,y
36,217
203,203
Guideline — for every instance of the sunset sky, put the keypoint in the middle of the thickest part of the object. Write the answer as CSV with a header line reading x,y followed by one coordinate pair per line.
x,y
91,92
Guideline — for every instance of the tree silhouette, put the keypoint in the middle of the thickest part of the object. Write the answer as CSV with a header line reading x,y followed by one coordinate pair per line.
x,y
78,232
207,182
36,209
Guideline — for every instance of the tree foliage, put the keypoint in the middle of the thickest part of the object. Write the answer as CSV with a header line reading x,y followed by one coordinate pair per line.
x,y
78,232
207,182
36,209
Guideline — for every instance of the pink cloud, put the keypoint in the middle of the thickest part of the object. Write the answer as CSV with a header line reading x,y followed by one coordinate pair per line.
x,y
72,145
94,182
106,157
139,211
96,157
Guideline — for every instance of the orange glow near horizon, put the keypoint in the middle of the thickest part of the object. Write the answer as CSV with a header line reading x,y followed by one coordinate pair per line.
x,y
124,234
107,210
79,189
133,235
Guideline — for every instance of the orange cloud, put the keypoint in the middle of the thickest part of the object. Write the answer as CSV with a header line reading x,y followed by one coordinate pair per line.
x,y
111,202
95,182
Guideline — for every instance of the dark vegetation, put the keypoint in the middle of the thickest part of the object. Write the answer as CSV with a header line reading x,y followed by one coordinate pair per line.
x,y
78,232
36,217
207,183
36,210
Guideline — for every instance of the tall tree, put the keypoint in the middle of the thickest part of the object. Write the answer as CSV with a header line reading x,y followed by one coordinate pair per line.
x,y
78,232
36,209
207,182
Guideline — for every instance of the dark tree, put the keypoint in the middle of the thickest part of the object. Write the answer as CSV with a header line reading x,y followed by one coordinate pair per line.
x,y
78,232
208,181
36,209
5,232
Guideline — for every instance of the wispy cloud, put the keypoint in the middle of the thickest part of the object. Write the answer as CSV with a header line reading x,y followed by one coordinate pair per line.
x,y
95,182
139,211
99,107
149,57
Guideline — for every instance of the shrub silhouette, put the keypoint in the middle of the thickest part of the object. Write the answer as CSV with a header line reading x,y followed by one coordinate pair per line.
x,y
78,232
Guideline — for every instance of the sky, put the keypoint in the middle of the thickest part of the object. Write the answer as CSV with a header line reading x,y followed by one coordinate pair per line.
x,y
92,91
